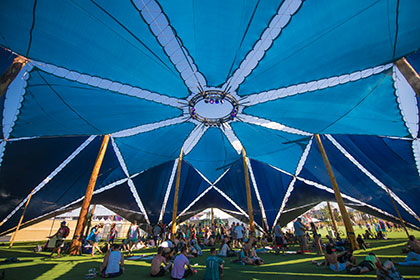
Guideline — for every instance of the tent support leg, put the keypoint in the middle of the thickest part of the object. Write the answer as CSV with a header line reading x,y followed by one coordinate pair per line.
x,y
349,227
11,73
212,216
334,224
398,212
409,73
175,207
89,220
248,195
20,220
76,243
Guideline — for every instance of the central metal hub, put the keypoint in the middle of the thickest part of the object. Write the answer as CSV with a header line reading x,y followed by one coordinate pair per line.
x,y
213,107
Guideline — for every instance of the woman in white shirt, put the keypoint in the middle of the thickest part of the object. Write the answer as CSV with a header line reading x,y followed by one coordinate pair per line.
x,y
113,265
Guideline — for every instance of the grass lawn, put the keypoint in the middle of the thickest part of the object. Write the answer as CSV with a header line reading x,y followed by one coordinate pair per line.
x,y
39,266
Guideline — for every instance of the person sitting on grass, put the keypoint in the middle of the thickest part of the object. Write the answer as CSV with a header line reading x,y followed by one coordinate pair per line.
x,y
157,269
254,257
412,259
61,234
94,237
347,256
214,266
413,245
113,264
331,259
361,242
178,271
387,271
367,265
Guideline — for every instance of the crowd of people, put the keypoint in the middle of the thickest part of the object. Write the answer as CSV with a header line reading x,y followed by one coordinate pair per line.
x,y
235,241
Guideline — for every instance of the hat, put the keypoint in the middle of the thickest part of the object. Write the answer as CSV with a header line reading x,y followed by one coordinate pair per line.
x,y
63,222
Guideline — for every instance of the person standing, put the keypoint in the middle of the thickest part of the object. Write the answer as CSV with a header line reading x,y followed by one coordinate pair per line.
x,y
278,239
300,234
317,240
61,234
133,235
94,237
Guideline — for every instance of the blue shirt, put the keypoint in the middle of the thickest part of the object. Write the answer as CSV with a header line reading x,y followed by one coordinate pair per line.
x,y
298,228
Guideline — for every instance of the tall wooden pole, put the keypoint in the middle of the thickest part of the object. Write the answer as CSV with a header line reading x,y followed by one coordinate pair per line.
x,y
175,207
248,194
212,216
7,78
398,212
76,243
347,223
409,73
20,220
334,224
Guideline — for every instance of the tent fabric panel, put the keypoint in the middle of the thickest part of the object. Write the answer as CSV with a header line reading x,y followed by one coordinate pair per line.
x,y
219,34
143,151
19,176
118,197
363,34
212,199
272,185
389,160
325,111
233,185
115,44
70,184
280,149
350,179
57,106
191,185
212,153
151,186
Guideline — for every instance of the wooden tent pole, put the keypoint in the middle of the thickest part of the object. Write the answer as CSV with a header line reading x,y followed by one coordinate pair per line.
x,y
398,212
175,206
7,78
76,243
334,224
20,220
212,216
347,223
248,194
410,74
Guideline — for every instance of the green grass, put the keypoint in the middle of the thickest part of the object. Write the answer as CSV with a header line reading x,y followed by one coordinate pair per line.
x,y
40,266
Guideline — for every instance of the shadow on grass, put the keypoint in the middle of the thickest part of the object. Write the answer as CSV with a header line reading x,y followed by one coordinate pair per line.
x,y
26,272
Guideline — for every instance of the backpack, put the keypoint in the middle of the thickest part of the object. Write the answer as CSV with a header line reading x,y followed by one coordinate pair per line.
x,y
66,232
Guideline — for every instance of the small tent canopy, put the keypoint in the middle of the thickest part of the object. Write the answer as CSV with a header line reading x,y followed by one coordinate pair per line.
x,y
210,78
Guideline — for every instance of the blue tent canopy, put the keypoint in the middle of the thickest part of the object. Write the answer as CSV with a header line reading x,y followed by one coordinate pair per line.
x,y
209,78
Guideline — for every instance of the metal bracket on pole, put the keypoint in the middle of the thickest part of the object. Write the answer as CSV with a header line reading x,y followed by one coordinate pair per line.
x,y
7,78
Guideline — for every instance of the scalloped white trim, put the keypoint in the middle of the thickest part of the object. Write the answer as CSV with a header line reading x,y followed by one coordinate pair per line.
x,y
291,187
370,175
416,153
51,175
285,12
271,125
168,190
120,157
233,139
147,127
108,84
193,139
407,102
270,95
195,201
163,31
136,196
257,193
